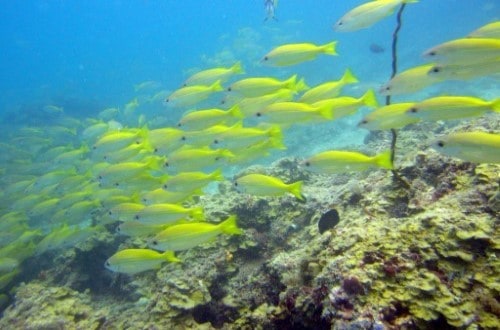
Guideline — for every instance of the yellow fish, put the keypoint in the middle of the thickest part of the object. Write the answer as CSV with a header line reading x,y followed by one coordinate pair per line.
x,y
476,147
242,137
367,14
201,119
292,54
191,95
410,81
125,211
265,185
253,87
287,113
465,51
329,89
389,116
346,105
165,140
491,30
187,159
192,181
208,77
249,106
136,229
116,174
452,107
116,140
464,71
334,161
163,214
133,261
159,196
185,236
205,137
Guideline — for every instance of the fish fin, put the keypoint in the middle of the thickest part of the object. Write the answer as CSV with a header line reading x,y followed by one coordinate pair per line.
x,y
237,68
384,160
349,77
229,226
329,48
236,112
326,111
198,214
216,86
370,99
291,82
300,86
296,190
217,175
495,105
170,256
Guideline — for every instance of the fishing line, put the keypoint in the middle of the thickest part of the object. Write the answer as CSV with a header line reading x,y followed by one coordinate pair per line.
x,y
394,66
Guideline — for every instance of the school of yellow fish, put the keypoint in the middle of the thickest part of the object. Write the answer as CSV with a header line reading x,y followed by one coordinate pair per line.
x,y
64,183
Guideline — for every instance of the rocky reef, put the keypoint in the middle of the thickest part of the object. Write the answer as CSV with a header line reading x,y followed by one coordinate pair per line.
x,y
421,253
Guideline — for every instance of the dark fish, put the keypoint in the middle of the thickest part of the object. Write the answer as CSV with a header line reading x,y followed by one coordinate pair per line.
x,y
270,6
376,49
328,220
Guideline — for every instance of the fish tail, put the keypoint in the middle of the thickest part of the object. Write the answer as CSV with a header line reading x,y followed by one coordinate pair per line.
x,y
296,190
170,256
370,99
326,111
409,1
216,86
217,175
237,68
349,77
329,48
230,227
495,105
291,82
236,112
384,160
300,86
154,163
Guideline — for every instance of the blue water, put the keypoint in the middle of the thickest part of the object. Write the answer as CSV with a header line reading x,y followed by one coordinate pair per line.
x,y
89,54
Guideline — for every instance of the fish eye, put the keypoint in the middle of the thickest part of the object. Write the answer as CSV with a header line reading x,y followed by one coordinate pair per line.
x,y
258,114
364,121
307,163
229,89
167,100
216,141
440,144
433,53
183,138
265,58
117,184
136,217
217,158
107,264
166,164
413,110
179,125
156,150
94,147
155,242
387,88
99,177
435,69
165,186
110,213
235,183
